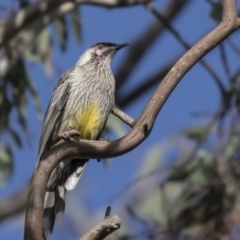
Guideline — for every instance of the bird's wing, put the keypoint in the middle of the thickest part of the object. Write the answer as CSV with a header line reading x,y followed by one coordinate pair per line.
x,y
54,110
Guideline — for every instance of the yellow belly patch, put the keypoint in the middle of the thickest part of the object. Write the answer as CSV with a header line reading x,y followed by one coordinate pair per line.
x,y
88,122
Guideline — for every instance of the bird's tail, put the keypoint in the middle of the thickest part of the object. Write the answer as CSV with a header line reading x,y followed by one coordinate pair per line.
x,y
63,177
54,206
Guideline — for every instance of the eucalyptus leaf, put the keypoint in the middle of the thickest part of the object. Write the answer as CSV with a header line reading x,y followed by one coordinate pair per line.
x,y
195,133
76,24
61,32
44,46
15,137
35,96
44,41
232,146
116,126
5,164
216,12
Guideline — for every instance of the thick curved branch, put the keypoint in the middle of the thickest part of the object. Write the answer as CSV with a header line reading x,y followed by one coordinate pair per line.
x,y
39,9
140,131
103,229
17,203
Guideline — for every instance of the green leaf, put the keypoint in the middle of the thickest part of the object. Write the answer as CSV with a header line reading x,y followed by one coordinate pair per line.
x,y
237,77
47,62
35,96
76,24
5,163
44,46
61,31
216,12
153,158
15,137
116,125
22,112
195,133
4,155
150,205
23,3
44,41
31,54
6,107
232,146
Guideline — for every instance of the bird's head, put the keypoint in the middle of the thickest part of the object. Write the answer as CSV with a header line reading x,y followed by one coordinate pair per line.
x,y
101,52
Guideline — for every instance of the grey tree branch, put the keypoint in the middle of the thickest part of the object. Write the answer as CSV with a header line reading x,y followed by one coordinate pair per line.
x,y
187,46
103,229
223,56
123,116
40,9
145,40
140,131
13,204
17,203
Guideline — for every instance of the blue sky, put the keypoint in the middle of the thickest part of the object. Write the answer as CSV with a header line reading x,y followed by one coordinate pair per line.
x,y
196,92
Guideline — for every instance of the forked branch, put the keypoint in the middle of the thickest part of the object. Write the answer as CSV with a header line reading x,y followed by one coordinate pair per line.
x,y
141,128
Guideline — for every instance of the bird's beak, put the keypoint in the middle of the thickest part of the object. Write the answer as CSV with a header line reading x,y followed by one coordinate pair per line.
x,y
119,46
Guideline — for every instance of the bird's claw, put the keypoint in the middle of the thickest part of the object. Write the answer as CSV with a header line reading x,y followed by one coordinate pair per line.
x,y
104,139
65,136
68,134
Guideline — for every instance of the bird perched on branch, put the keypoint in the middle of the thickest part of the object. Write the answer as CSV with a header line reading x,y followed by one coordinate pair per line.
x,y
82,100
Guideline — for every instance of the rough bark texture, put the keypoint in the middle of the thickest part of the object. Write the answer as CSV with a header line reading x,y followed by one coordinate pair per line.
x,y
103,229
141,128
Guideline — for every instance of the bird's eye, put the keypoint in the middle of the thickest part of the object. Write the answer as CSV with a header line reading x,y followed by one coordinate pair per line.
x,y
100,46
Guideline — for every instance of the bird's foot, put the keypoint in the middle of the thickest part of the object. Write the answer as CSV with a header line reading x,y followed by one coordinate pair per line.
x,y
68,134
65,136
104,139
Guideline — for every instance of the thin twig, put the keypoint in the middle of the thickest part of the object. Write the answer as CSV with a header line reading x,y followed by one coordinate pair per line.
x,y
187,47
141,44
234,47
135,216
123,116
224,60
136,181
14,204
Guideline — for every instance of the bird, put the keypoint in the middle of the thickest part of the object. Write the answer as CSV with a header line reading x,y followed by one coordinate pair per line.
x,y
82,100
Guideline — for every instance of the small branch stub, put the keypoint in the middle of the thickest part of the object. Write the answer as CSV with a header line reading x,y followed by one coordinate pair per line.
x,y
123,116
107,213
103,229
